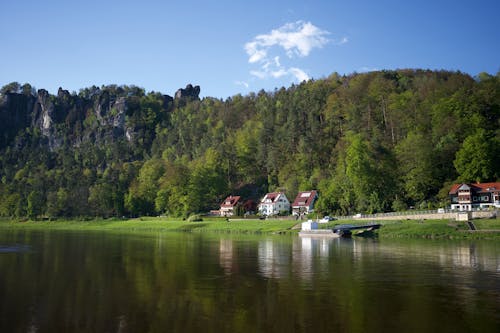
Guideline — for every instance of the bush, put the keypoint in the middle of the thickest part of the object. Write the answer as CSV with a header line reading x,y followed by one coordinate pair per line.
x,y
195,218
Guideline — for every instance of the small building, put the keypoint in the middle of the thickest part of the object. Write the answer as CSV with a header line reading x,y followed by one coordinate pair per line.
x,y
309,225
230,206
466,197
274,203
304,203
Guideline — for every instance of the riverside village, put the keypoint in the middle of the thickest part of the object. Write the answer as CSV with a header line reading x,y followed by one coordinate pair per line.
x,y
468,201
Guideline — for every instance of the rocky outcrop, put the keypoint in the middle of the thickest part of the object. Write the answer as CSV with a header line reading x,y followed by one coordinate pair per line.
x,y
96,115
167,102
189,92
44,112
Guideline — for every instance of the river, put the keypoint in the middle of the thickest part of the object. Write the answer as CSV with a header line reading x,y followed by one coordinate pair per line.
x,y
62,281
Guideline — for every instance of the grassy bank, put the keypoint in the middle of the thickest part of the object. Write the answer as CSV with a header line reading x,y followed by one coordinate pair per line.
x,y
160,224
434,229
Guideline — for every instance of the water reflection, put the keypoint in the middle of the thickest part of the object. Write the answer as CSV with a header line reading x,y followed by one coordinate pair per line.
x,y
94,282
226,255
14,248
312,256
273,259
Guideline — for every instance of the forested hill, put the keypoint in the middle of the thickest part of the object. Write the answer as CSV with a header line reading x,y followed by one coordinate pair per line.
x,y
371,142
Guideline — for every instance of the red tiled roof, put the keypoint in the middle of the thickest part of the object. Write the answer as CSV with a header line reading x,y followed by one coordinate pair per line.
x,y
271,196
304,199
477,187
230,201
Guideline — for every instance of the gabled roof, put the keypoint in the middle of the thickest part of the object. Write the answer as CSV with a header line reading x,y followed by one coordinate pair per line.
x,y
230,201
477,187
305,199
271,196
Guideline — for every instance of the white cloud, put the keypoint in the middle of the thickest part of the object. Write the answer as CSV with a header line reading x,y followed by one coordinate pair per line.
x,y
343,41
295,40
259,74
299,74
242,83
254,52
278,73
367,69
277,61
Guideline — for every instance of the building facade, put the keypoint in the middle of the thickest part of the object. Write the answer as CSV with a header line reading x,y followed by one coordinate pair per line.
x,y
230,205
274,203
466,197
304,203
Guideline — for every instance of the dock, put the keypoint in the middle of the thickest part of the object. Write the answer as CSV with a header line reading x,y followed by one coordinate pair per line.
x,y
319,233
309,229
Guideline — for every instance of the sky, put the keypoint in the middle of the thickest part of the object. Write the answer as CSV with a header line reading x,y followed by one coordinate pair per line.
x,y
238,47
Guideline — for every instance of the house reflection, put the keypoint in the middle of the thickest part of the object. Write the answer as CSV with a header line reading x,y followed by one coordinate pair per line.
x,y
470,256
273,259
226,255
303,249
313,256
308,257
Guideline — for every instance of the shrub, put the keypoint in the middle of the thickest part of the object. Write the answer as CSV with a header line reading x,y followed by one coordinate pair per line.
x,y
195,218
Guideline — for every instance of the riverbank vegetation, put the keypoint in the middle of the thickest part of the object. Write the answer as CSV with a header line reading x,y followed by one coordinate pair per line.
x,y
160,224
372,142
431,229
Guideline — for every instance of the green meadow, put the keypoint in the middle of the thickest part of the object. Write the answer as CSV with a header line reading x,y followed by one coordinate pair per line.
x,y
433,229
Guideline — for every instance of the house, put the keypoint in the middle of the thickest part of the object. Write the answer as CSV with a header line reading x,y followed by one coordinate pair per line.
x,y
304,203
274,203
230,206
466,197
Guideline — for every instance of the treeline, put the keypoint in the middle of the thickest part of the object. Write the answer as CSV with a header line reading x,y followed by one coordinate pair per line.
x,y
373,142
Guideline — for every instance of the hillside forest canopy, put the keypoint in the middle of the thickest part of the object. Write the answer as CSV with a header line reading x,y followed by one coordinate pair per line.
x,y
372,142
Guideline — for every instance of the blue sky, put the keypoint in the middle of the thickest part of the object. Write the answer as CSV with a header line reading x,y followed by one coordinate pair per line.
x,y
238,47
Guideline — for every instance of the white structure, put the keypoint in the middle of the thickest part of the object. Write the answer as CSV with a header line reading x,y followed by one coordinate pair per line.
x,y
274,203
309,225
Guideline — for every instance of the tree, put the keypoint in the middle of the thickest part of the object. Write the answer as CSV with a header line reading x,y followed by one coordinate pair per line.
x,y
172,197
13,87
477,159
416,166
207,182
140,199
35,204
101,199
360,171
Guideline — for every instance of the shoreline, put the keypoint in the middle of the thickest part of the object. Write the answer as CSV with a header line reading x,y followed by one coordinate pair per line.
x,y
426,229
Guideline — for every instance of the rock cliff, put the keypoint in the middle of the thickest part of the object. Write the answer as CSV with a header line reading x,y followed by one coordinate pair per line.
x,y
95,115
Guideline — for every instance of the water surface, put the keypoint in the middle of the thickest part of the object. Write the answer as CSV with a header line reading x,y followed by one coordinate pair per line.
x,y
53,281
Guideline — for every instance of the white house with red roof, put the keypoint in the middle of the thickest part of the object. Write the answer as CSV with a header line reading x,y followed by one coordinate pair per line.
x,y
466,197
274,203
304,202
229,206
